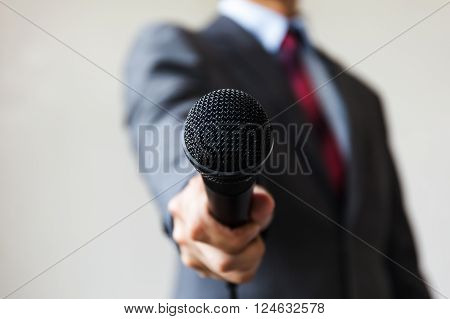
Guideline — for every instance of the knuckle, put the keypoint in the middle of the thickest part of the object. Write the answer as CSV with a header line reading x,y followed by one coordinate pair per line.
x,y
193,180
178,237
235,245
178,232
224,264
260,248
261,245
271,201
172,206
188,261
194,183
196,231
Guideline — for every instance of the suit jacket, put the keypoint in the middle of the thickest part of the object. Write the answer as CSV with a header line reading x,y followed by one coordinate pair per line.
x,y
307,255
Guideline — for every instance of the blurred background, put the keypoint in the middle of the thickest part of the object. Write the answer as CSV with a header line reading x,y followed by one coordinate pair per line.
x,y
67,172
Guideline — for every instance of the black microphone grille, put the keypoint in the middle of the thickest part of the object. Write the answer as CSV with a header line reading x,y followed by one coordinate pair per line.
x,y
227,132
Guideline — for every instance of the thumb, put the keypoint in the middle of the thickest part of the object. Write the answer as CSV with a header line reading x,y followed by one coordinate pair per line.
x,y
262,207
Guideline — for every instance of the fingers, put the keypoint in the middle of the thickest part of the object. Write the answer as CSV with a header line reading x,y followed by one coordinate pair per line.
x,y
231,241
235,268
263,204
209,261
190,260
199,225
212,249
222,263
182,204
205,229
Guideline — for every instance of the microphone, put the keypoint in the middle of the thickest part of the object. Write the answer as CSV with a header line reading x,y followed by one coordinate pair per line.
x,y
227,138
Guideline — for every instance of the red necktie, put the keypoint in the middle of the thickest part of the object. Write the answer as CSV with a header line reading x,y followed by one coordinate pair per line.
x,y
301,86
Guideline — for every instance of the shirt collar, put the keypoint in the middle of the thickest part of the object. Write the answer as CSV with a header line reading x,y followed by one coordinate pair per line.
x,y
266,25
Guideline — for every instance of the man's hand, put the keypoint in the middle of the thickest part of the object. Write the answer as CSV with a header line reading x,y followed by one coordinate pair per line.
x,y
213,249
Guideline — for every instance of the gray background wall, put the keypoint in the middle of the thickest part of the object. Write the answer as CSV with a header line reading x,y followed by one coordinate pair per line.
x,y
67,173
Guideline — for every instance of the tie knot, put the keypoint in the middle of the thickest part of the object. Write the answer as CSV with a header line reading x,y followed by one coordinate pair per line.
x,y
291,42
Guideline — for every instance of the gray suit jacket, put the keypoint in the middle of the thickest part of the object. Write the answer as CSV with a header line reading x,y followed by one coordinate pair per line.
x,y
307,256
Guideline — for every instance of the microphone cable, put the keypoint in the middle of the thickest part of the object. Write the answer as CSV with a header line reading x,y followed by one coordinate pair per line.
x,y
232,288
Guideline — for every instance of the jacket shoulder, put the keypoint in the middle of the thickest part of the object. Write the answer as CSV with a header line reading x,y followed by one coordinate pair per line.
x,y
165,40
163,64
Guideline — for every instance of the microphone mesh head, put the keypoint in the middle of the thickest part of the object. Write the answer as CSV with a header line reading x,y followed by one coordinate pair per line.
x,y
227,132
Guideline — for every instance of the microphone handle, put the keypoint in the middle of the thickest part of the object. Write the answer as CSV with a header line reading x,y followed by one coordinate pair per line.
x,y
229,203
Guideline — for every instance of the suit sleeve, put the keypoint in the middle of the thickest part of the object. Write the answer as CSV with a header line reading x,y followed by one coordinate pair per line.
x,y
402,249
164,75
406,277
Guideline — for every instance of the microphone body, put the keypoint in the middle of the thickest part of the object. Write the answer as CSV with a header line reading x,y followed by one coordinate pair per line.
x,y
227,138
230,203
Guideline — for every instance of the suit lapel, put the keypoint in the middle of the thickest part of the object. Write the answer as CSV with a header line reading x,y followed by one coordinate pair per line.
x,y
355,167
